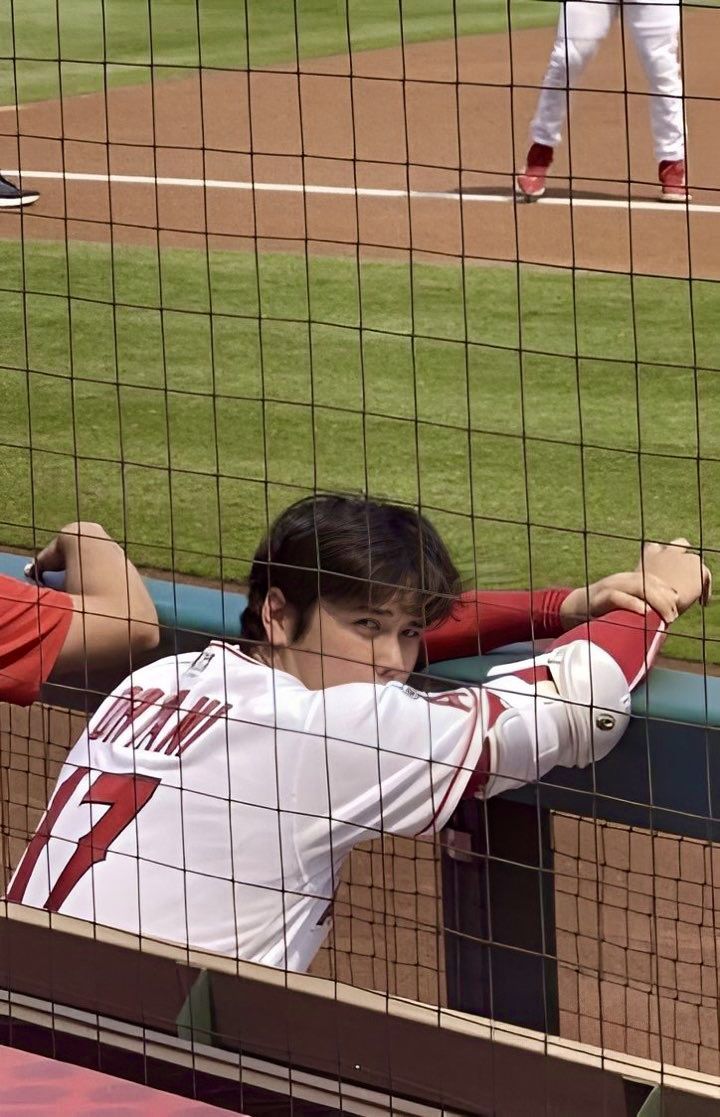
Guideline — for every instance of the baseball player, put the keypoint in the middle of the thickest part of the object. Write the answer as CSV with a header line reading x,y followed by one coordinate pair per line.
x,y
214,796
655,28
104,613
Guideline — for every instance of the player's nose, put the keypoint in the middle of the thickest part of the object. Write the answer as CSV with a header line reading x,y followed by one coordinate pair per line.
x,y
389,662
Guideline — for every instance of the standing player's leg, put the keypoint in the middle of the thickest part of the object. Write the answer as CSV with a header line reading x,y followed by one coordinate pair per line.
x,y
582,26
655,27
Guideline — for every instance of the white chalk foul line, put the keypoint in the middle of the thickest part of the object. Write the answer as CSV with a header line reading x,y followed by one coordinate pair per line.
x,y
359,191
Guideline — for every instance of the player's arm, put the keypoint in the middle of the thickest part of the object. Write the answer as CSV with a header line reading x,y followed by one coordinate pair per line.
x,y
567,707
571,706
399,761
486,619
34,622
104,617
112,612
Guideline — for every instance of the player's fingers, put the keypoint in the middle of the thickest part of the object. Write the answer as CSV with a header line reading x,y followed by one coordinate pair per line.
x,y
682,543
650,589
663,600
628,601
645,582
50,558
657,596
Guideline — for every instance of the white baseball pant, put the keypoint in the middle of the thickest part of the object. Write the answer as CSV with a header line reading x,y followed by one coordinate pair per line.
x,y
655,28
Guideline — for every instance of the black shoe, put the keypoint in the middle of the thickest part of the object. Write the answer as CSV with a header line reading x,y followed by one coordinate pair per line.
x,y
12,197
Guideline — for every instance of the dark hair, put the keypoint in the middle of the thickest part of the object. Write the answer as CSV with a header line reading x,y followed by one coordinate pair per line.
x,y
350,550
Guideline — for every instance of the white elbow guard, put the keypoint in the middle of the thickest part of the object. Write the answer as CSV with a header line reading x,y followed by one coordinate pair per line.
x,y
596,698
576,719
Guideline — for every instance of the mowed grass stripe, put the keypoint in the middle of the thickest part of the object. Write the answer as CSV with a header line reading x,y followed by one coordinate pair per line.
x,y
180,429
76,46
132,35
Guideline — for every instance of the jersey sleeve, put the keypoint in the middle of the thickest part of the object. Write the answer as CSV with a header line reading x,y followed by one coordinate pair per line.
x,y
568,707
390,759
396,760
487,619
633,640
34,622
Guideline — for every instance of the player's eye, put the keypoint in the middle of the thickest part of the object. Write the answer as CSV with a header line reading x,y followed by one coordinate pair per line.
x,y
369,624
412,633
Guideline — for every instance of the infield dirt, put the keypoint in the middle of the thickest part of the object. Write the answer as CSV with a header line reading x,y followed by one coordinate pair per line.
x,y
457,122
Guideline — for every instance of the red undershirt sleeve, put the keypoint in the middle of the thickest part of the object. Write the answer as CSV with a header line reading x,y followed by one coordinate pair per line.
x,y
486,619
631,639
34,622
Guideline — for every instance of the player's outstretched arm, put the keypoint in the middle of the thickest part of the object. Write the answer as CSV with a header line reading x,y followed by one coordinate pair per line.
x,y
102,619
571,706
399,760
484,620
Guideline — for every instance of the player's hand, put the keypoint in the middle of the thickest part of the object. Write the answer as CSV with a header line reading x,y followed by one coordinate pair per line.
x,y
53,557
680,567
635,590
50,558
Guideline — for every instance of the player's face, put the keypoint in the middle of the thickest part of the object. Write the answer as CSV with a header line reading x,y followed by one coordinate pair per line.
x,y
378,644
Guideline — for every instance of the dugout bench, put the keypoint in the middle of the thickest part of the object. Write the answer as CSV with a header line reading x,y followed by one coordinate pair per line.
x,y
317,1042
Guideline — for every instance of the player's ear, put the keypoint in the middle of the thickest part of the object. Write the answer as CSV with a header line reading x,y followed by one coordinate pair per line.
x,y
277,618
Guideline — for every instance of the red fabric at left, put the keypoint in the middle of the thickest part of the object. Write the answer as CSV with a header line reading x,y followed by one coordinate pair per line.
x,y
34,622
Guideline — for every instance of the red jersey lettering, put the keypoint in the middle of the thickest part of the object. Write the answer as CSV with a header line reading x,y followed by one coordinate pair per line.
x,y
186,726
192,726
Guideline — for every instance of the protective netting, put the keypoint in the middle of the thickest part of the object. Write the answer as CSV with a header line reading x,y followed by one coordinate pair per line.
x,y
279,249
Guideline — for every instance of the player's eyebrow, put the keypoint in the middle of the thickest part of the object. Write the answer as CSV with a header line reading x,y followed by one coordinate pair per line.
x,y
363,610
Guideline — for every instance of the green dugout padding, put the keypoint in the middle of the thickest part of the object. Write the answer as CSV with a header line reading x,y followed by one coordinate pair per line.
x,y
665,774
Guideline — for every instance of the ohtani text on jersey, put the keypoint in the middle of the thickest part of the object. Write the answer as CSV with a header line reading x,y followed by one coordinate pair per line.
x,y
170,730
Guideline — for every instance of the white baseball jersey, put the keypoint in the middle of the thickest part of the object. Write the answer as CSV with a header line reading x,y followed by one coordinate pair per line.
x,y
212,800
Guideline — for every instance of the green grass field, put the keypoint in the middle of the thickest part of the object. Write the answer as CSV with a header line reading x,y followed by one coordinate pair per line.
x,y
171,427
132,35
74,46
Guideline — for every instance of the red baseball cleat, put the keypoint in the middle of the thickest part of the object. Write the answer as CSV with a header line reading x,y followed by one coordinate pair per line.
x,y
531,183
672,181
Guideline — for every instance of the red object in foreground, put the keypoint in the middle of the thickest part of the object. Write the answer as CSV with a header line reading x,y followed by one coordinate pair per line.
x,y
531,182
33,1086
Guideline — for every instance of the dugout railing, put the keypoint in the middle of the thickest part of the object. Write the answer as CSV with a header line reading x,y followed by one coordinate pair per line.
x,y
494,1044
